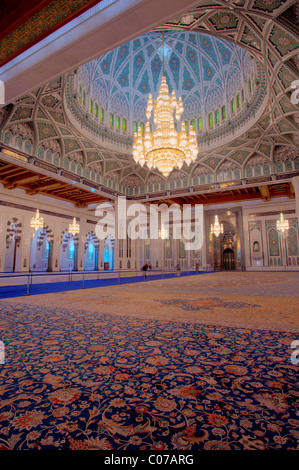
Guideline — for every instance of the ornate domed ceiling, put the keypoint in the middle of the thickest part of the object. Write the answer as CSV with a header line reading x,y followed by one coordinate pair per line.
x,y
203,70
215,78
44,125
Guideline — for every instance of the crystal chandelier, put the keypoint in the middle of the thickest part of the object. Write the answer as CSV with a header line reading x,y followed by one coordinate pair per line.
x,y
165,148
37,221
74,228
282,224
216,228
163,233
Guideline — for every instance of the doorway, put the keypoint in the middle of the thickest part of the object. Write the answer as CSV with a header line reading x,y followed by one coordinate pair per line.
x,y
68,253
11,259
228,259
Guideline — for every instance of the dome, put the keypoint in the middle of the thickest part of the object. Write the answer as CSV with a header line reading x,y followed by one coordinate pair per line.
x,y
215,78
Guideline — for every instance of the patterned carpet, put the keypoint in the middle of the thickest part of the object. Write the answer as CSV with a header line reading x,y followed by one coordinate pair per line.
x,y
155,367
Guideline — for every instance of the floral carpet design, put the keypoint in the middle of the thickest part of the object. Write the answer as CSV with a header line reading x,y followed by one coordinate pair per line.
x,y
203,304
85,380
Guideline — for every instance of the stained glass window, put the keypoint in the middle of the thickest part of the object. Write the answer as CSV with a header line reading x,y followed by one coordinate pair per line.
x,y
238,100
233,105
111,120
101,114
223,111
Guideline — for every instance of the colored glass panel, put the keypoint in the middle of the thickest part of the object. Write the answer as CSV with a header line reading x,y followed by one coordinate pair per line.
x,y
111,120
223,111
233,105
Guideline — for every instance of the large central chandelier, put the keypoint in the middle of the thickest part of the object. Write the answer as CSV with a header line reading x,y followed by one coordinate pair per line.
x,y
165,148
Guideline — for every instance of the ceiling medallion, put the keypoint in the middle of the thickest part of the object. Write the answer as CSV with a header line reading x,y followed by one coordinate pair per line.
x,y
165,148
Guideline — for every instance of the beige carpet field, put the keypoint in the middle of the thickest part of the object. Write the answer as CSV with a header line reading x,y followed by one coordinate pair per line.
x,y
240,299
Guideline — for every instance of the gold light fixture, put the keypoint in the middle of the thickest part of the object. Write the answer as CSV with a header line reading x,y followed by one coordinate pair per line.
x,y
282,224
163,233
74,228
216,228
37,221
164,148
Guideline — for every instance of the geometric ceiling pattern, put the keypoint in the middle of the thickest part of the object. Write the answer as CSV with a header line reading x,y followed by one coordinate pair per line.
x,y
39,124
202,69
23,23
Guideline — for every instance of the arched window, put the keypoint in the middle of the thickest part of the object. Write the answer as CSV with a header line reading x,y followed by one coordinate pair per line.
x,y
124,125
111,120
238,101
101,114
210,120
117,123
233,106
223,112
28,147
199,123
18,143
279,167
237,174
217,116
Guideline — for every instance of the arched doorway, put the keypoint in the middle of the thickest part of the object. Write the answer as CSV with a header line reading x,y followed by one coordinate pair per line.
x,y
68,252
39,251
109,253
91,253
12,246
223,247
